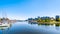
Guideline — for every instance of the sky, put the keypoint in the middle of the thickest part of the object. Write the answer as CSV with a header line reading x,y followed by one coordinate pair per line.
x,y
24,9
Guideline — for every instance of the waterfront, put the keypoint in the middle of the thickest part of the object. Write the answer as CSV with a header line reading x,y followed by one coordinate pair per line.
x,y
27,28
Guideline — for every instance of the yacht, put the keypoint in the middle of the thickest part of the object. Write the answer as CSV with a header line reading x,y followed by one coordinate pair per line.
x,y
4,23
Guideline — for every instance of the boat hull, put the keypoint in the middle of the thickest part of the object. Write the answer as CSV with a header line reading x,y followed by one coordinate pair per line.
x,y
5,25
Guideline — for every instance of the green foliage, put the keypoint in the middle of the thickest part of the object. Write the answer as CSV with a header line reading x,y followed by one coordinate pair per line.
x,y
47,20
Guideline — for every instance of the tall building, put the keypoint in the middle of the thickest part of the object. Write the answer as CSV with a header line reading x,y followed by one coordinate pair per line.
x,y
57,17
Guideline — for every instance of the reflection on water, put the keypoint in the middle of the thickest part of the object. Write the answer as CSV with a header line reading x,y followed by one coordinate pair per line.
x,y
30,28
3,28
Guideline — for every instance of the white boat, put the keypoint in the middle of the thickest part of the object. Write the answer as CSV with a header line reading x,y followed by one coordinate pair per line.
x,y
4,21
5,25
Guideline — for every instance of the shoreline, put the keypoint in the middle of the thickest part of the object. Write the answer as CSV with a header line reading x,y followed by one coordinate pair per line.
x,y
47,23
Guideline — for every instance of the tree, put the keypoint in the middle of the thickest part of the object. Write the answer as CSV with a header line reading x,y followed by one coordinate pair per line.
x,y
47,20
39,20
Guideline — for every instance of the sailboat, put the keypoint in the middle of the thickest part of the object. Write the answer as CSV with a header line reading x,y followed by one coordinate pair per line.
x,y
5,23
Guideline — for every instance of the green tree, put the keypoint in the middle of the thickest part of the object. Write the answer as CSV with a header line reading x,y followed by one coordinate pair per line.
x,y
47,20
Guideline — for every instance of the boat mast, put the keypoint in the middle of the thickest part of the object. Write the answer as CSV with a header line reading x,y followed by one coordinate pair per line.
x,y
4,14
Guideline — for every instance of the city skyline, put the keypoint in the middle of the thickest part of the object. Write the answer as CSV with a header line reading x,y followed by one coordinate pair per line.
x,y
24,9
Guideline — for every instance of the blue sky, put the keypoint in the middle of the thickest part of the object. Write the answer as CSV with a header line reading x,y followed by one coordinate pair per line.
x,y
23,9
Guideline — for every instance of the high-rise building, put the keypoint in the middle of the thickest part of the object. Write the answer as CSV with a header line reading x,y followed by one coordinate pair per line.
x,y
57,17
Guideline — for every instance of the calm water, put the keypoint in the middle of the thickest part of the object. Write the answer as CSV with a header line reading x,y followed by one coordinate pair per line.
x,y
27,28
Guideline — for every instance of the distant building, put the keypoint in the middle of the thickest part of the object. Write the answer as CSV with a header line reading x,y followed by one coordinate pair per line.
x,y
30,19
38,17
43,18
57,17
52,18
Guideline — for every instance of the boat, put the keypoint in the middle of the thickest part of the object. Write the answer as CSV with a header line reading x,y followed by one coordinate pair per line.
x,y
4,21
4,24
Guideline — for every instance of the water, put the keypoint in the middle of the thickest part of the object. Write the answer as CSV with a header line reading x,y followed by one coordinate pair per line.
x,y
27,28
